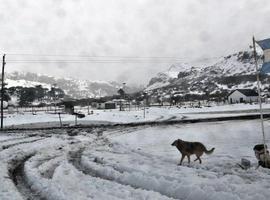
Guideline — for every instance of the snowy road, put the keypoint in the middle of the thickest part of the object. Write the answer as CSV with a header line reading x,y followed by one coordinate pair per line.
x,y
132,163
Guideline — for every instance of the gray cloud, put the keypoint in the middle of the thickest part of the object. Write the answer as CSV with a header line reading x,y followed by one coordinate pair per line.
x,y
189,29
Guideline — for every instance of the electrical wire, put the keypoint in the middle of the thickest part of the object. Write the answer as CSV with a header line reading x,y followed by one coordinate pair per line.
x,y
50,58
89,56
92,61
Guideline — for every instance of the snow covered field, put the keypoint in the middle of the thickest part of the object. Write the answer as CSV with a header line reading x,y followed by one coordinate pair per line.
x,y
116,116
133,163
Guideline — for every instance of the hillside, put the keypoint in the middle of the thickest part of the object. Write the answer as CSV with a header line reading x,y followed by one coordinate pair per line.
x,y
72,87
228,73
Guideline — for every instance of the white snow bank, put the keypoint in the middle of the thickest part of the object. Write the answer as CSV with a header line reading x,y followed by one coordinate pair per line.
x,y
145,159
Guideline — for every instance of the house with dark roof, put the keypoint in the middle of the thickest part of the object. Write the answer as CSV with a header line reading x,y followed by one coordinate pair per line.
x,y
69,104
243,96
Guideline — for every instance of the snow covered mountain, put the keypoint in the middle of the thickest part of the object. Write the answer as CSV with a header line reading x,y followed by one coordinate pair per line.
x,y
72,87
227,73
215,77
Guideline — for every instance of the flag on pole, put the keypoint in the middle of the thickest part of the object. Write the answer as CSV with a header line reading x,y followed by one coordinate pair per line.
x,y
265,45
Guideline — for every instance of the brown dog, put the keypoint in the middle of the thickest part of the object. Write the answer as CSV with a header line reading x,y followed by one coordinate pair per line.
x,y
189,148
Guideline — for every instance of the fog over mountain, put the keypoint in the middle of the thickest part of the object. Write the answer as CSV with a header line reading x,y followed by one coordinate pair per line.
x,y
216,77
72,87
188,30
235,71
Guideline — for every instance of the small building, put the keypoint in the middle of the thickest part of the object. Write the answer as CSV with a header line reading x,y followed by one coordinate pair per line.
x,y
106,105
119,102
69,104
243,96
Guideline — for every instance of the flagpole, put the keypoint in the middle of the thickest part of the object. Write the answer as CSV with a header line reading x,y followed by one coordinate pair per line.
x,y
259,93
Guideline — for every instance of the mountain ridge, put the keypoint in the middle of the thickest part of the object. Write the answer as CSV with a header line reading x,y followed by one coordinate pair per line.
x,y
72,87
235,71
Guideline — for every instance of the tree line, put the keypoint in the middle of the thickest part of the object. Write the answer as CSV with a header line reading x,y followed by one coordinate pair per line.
x,y
27,95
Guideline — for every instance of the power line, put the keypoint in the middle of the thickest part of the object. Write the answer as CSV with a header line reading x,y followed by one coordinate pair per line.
x,y
101,56
45,58
93,61
92,56
99,60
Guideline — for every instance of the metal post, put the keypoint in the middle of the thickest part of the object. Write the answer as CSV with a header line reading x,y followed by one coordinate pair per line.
x,y
143,110
120,106
259,92
2,89
59,114
88,108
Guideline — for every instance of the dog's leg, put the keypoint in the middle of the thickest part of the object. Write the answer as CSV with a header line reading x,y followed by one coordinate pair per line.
x,y
200,160
183,156
188,159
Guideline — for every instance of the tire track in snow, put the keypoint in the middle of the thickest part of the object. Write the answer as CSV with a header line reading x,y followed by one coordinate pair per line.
x,y
6,146
22,180
18,176
150,181
122,131
51,164
75,158
13,139
17,170
19,165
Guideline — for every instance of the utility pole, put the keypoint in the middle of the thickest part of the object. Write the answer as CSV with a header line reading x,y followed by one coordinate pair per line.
x,y
260,96
2,89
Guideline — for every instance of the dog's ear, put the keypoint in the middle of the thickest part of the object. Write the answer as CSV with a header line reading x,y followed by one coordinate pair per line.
x,y
174,143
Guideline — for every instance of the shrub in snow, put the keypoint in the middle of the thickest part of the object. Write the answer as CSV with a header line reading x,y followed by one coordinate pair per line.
x,y
73,132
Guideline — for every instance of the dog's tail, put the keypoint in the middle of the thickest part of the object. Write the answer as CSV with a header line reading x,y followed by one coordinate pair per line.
x,y
209,151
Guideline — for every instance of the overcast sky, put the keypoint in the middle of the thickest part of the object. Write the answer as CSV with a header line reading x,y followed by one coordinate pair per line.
x,y
186,29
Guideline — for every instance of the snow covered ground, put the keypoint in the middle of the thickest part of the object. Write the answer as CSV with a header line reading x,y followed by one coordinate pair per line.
x,y
116,116
133,162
